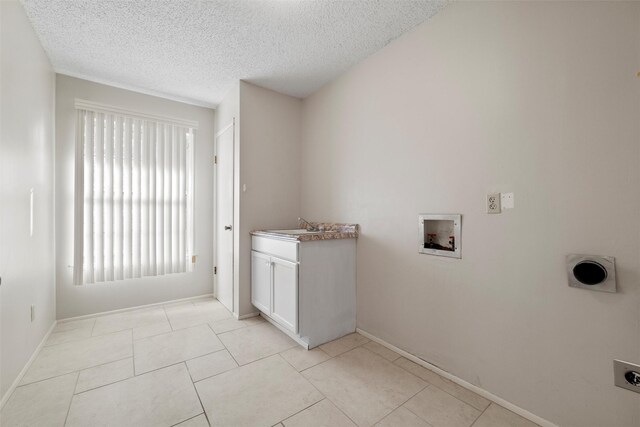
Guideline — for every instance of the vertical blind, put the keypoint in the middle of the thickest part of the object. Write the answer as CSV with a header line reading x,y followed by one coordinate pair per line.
x,y
133,195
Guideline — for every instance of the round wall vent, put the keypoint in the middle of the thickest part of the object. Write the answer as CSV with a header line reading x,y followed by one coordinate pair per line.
x,y
590,273
594,272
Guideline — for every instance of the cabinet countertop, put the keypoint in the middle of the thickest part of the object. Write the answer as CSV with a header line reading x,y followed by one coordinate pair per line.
x,y
330,231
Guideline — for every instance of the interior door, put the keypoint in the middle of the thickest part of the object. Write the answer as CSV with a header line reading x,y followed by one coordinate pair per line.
x,y
284,307
224,215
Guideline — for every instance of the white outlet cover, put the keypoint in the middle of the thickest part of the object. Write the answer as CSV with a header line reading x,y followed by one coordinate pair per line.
x,y
507,200
493,203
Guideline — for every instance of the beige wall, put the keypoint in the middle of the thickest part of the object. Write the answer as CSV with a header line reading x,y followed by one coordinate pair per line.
x,y
270,132
26,161
535,98
267,164
93,298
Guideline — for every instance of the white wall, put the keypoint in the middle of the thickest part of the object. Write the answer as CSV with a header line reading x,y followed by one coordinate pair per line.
x,y
26,161
227,112
267,162
270,133
93,298
535,98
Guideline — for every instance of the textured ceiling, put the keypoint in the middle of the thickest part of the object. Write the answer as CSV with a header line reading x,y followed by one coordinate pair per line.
x,y
195,50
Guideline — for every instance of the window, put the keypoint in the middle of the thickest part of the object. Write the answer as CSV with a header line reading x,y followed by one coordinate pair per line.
x,y
133,195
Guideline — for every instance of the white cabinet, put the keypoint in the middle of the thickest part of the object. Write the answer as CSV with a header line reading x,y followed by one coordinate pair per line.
x,y
307,289
261,281
274,288
284,293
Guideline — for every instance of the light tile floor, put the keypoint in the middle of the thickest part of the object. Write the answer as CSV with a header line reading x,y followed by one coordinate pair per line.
x,y
192,364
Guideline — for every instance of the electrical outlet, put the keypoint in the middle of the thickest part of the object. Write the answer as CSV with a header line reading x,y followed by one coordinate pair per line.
x,y
626,375
493,203
33,313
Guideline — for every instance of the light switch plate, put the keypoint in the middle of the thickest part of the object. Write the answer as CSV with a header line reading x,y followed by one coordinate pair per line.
x,y
507,200
493,203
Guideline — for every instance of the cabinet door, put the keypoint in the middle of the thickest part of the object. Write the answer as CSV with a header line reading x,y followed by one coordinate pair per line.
x,y
284,307
261,282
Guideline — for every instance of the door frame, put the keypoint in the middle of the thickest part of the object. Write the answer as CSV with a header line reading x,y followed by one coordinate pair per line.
x,y
215,208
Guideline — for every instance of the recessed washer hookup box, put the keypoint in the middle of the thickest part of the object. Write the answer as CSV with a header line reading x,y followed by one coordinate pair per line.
x,y
440,235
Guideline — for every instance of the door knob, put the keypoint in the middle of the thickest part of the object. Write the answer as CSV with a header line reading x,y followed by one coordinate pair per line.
x,y
227,227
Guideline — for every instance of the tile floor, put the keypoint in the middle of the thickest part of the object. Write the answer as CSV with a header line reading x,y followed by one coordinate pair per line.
x,y
193,365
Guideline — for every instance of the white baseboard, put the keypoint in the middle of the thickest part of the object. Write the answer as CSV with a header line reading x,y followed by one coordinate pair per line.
x,y
35,353
123,310
482,392
247,316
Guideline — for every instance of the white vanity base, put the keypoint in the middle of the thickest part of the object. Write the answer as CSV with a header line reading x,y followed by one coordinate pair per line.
x,y
307,289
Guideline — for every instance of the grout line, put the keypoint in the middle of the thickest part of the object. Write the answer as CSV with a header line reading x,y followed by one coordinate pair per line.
x,y
78,370
46,379
460,382
481,413
97,366
282,351
215,375
93,327
440,388
317,389
189,372
133,353
205,354
233,357
155,334
184,421
338,408
66,342
226,348
164,308
264,357
302,410
246,327
246,364
73,393
309,367
88,338
322,351
192,358
428,384
133,367
208,354
157,369
197,394
214,332
130,378
350,349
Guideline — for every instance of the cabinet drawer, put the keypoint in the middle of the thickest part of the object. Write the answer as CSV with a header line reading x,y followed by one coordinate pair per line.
x,y
279,248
